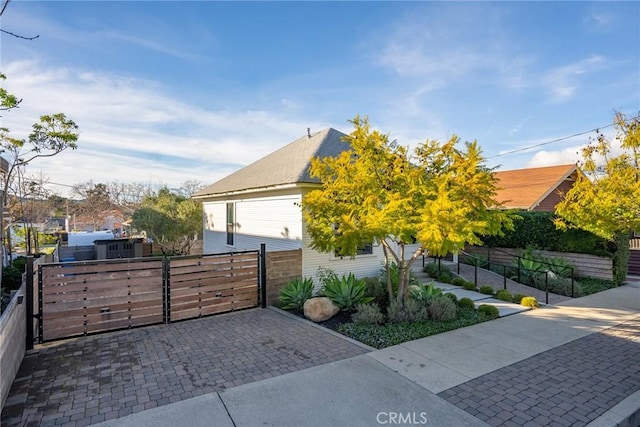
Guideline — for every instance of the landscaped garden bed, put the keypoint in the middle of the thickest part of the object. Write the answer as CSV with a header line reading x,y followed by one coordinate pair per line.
x,y
362,310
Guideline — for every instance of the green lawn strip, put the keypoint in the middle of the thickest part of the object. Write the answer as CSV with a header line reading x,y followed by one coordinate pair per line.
x,y
381,336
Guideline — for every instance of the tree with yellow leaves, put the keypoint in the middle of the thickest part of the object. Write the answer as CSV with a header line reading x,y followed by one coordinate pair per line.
x,y
606,199
375,192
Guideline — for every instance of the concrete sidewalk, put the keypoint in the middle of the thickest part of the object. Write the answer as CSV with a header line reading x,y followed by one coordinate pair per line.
x,y
572,364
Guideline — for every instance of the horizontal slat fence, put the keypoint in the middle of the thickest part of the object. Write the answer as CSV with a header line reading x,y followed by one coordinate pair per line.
x,y
79,298
211,284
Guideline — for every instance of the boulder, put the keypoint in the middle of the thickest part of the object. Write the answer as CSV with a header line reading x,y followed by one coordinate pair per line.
x,y
320,309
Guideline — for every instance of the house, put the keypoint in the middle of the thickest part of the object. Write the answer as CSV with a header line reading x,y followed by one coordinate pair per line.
x,y
535,189
260,203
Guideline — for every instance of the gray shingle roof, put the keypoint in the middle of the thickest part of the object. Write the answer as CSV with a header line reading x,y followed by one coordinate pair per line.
x,y
288,165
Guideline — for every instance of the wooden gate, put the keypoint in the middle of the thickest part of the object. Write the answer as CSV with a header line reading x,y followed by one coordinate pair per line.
x,y
79,298
210,284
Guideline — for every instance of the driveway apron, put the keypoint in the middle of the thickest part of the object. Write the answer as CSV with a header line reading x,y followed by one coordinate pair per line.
x,y
91,379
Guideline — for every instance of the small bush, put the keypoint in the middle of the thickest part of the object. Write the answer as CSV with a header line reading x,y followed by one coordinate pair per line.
x,y
431,269
563,287
458,281
442,309
529,302
504,295
517,298
434,271
590,285
377,290
489,310
367,314
469,286
487,290
295,293
445,277
451,296
466,304
346,292
411,311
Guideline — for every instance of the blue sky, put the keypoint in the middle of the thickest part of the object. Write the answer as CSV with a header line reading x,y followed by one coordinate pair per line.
x,y
166,92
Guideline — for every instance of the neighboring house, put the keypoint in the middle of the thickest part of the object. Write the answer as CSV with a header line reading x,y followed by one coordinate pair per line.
x,y
535,189
260,203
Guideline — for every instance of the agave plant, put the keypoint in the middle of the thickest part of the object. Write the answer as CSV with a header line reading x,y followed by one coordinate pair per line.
x,y
424,293
346,292
295,293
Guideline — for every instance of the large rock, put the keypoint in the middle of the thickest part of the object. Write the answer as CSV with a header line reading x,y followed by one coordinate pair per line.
x,y
320,309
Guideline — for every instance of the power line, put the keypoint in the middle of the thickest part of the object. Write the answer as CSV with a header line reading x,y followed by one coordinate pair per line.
x,y
556,140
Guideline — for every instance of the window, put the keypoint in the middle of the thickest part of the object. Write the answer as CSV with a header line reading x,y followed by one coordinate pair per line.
x,y
366,249
231,222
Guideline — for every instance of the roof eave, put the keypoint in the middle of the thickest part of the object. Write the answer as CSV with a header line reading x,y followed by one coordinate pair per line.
x,y
234,193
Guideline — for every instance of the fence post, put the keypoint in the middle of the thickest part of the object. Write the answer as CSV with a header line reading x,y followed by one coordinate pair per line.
x,y
166,290
40,304
504,276
546,287
475,275
572,295
29,296
263,275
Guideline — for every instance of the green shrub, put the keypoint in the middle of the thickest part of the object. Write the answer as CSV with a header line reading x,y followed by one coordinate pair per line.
x,y
375,289
517,298
451,296
381,336
346,291
504,295
486,290
442,309
529,302
591,285
431,269
562,286
458,281
410,311
489,310
434,271
466,304
469,286
325,275
423,294
367,314
445,277
295,293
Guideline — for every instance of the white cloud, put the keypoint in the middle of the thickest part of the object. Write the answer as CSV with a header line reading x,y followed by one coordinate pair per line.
x,y
552,158
562,82
131,130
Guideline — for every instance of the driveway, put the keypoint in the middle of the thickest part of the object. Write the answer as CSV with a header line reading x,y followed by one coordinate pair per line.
x,y
86,380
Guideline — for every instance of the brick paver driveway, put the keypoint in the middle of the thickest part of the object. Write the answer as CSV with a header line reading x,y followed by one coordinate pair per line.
x,y
569,385
91,379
